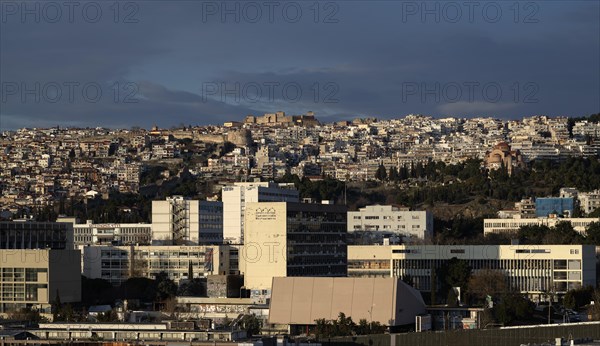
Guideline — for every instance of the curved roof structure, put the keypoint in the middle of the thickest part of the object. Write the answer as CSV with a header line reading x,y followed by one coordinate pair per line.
x,y
302,300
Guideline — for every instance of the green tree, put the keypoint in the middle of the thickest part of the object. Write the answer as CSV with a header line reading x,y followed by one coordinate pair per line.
x,y
138,288
343,325
577,298
532,234
251,324
513,307
393,174
28,315
56,308
592,233
192,288
562,233
165,289
96,291
487,282
454,273
381,173
595,213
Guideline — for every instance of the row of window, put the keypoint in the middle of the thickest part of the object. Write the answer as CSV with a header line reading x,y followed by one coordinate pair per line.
x,y
385,217
20,274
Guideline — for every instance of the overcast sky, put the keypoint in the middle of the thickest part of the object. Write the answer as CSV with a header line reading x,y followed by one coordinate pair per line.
x,y
200,62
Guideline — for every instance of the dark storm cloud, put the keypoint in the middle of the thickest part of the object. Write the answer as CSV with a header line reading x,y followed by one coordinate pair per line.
x,y
182,65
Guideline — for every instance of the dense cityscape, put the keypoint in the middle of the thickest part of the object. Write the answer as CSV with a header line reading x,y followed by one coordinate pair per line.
x,y
299,173
226,233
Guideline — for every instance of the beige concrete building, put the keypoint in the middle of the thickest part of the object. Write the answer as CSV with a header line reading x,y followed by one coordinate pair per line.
x,y
299,301
292,239
33,278
369,261
531,269
237,195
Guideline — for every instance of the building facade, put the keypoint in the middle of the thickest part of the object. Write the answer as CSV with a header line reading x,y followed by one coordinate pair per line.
x,y
387,218
292,239
589,201
36,235
236,196
112,233
118,263
513,225
545,206
33,278
369,261
534,270
300,302
502,156
182,221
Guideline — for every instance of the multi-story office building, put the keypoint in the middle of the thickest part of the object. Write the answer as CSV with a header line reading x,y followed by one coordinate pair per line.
x,y
36,235
236,196
112,233
33,278
179,220
552,205
292,239
387,218
531,269
37,263
211,222
118,263
513,225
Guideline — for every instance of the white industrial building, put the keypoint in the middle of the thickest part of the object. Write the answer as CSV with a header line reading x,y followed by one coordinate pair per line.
x,y
513,225
388,218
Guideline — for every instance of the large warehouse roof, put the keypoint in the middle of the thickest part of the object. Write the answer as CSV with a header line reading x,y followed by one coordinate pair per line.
x,y
302,300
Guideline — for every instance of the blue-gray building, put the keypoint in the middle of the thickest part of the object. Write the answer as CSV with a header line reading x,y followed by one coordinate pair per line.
x,y
548,205
211,222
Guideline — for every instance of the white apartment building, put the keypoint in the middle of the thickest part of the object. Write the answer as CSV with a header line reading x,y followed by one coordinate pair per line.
x,y
179,220
589,201
389,218
237,195
112,233
513,225
118,263
531,269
